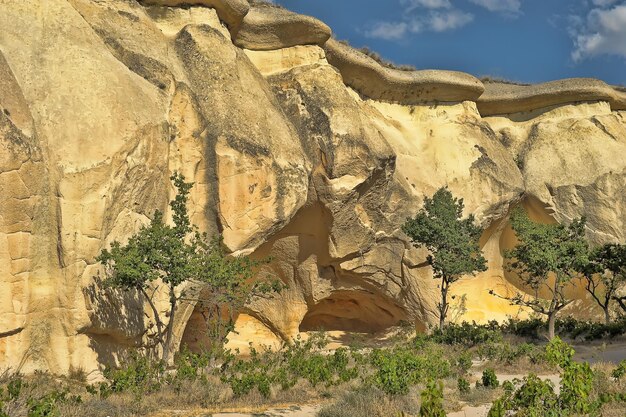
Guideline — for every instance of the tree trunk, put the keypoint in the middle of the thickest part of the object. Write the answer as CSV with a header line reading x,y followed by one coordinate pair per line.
x,y
607,314
170,329
157,319
551,324
443,307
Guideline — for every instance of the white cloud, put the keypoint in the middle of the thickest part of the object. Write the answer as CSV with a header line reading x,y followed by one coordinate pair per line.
x,y
433,21
604,33
505,6
388,30
441,22
604,3
429,4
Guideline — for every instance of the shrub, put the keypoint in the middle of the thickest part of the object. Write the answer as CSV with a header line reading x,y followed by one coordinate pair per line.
x,y
464,362
620,371
536,395
302,359
489,379
399,368
468,334
559,353
576,386
463,385
141,375
432,400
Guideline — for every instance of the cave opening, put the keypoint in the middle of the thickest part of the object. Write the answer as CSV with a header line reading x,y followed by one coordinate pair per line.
x,y
352,311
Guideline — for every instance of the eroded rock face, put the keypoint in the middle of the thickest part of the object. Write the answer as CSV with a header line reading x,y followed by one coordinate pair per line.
x,y
100,101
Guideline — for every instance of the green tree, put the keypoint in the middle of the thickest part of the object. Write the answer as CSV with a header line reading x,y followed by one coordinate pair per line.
x,y
452,241
603,274
547,257
183,261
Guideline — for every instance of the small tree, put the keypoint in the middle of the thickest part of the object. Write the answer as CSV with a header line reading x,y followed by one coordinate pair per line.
x,y
452,241
170,256
548,257
604,274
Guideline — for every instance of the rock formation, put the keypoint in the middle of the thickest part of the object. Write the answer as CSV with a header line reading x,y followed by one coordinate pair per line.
x,y
300,148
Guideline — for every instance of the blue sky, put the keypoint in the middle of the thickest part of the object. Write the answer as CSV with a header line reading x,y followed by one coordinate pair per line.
x,y
522,40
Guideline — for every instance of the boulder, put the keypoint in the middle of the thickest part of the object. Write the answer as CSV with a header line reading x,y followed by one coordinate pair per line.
x,y
505,98
377,82
268,27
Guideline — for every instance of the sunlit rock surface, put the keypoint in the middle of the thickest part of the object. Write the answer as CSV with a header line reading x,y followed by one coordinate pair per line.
x,y
291,157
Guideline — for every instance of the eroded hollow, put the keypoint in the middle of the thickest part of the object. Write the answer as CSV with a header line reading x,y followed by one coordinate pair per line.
x,y
352,311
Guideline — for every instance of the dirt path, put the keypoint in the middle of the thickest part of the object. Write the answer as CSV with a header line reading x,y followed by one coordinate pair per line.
x,y
293,411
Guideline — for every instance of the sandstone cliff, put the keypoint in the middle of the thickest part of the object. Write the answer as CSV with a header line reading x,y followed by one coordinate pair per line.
x,y
300,148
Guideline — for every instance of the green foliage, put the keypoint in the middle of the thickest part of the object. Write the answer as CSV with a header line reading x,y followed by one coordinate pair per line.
x,y
559,353
547,257
620,371
463,386
489,379
451,240
47,405
300,360
14,387
568,326
432,400
510,353
464,362
537,398
177,254
399,368
498,408
468,334
140,375
604,273
576,386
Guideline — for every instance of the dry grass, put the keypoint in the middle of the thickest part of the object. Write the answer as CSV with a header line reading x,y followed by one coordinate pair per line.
x,y
376,57
492,79
209,396
372,402
263,3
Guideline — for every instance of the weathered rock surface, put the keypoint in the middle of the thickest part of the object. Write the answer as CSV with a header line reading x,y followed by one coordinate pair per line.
x,y
268,27
371,79
502,98
299,149
232,12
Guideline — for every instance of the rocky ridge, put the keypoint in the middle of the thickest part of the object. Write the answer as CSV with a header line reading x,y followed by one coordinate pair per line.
x,y
300,148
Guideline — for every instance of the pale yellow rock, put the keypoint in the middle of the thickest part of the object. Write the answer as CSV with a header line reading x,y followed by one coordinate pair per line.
x,y
230,11
502,98
374,81
267,27
291,158
284,59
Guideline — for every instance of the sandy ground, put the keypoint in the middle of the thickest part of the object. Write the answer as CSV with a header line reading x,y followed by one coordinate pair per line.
x,y
614,351
294,411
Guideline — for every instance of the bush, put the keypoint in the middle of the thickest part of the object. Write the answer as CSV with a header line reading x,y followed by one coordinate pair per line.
x,y
468,334
568,326
464,362
369,401
538,398
489,379
576,386
620,371
141,375
399,368
432,400
463,385
559,353
302,359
